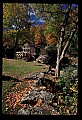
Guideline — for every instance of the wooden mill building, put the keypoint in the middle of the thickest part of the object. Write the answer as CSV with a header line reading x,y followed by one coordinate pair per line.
x,y
27,52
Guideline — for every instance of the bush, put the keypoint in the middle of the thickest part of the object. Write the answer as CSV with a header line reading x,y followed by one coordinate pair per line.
x,y
51,49
52,53
69,90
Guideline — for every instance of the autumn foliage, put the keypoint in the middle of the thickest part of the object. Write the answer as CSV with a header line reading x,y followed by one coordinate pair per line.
x,y
51,39
39,36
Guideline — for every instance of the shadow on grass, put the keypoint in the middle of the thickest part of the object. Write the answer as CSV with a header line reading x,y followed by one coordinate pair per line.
x,y
8,78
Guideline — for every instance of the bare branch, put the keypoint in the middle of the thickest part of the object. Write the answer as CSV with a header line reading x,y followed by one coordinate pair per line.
x,y
50,12
73,20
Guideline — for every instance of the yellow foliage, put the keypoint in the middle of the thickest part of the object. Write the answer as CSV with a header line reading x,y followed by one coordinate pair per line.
x,y
73,89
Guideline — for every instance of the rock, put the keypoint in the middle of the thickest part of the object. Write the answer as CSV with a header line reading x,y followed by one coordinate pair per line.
x,y
30,97
24,112
32,75
44,109
38,100
38,77
43,58
33,96
48,70
41,79
35,75
46,96
36,111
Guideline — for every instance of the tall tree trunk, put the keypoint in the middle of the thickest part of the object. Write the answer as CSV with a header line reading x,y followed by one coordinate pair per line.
x,y
59,50
57,72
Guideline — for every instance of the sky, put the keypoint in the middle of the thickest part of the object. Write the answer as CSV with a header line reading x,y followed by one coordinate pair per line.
x,y
38,21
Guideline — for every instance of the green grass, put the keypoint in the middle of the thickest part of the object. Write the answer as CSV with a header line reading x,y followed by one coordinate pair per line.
x,y
18,68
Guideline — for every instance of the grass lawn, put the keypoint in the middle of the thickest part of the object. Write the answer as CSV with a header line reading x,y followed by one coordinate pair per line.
x,y
18,68
12,72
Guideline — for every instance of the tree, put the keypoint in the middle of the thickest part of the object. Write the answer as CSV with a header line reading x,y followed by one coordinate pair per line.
x,y
10,37
18,15
65,25
51,39
39,36
60,49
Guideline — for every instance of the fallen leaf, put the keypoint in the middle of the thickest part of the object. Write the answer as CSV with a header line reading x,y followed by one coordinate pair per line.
x,y
38,103
42,88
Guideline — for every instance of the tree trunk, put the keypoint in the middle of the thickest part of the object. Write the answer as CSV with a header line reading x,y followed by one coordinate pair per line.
x,y
59,50
57,72
61,54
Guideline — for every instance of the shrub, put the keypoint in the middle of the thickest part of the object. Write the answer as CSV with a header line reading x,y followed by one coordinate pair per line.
x,y
69,85
52,53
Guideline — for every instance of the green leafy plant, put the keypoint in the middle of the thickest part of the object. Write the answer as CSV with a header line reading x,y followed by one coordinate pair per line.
x,y
69,89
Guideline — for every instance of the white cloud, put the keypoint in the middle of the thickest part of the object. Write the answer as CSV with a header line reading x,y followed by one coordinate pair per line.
x,y
41,20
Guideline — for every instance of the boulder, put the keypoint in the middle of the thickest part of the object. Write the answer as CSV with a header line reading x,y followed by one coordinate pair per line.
x,y
44,109
35,75
38,77
24,111
43,59
31,97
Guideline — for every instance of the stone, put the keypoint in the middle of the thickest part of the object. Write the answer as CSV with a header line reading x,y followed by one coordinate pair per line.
x,y
35,75
32,75
40,78
46,96
44,109
30,97
38,100
40,75
24,111
34,95
46,70
43,58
